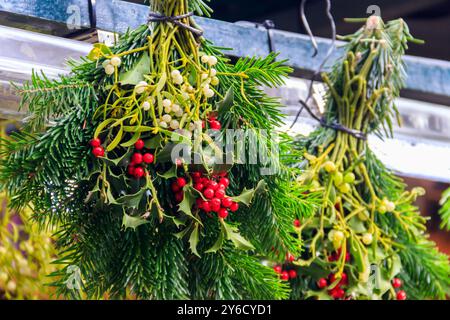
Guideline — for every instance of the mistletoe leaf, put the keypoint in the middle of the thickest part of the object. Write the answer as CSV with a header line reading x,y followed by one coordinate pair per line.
x,y
132,222
99,50
361,257
116,140
102,126
136,74
132,141
247,195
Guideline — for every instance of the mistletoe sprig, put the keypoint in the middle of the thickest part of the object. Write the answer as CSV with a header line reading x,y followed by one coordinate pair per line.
x,y
362,238
173,93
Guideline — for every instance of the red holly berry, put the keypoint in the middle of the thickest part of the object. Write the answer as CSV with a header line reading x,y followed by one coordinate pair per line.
x,y
344,279
290,257
136,158
215,204
219,194
277,269
199,202
297,223
139,144
225,182
96,142
208,193
175,187
222,187
199,186
196,175
223,213
234,207
206,206
284,275
322,283
337,293
227,202
139,172
401,295
215,125
179,196
98,152
396,283
292,274
130,170
148,158
213,185
181,182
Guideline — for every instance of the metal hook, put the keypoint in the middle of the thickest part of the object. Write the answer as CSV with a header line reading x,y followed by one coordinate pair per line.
x,y
327,57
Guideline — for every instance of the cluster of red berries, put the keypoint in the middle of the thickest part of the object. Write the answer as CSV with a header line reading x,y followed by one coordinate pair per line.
x,y
214,124
177,188
97,149
139,160
335,256
214,191
397,283
286,274
337,292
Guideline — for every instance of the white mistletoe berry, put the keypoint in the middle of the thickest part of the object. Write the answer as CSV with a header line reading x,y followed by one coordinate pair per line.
x,y
166,118
146,106
175,73
167,103
213,72
178,80
116,61
174,124
367,238
109,69
140,87
179,113
106,63
209,93
163,124
176,108
215,81
205,58
212,61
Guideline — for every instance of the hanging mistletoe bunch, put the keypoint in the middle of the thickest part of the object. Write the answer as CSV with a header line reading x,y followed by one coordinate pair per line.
x,y
368,240
127,155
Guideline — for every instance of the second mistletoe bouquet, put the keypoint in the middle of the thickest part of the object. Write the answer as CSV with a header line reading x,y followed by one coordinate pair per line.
x,y
125,157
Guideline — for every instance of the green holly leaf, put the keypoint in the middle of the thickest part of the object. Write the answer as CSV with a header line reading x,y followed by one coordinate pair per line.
x,y
171,173
193,240
247,195
132,200
231,233
187,203
154,142
219,242
132,222
137,72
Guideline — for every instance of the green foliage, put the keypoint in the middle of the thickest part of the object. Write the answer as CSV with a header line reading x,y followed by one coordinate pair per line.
x,y
445,210
117,234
